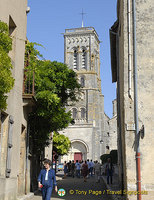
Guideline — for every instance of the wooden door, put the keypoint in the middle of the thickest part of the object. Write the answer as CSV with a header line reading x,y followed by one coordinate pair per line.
x,y
77,156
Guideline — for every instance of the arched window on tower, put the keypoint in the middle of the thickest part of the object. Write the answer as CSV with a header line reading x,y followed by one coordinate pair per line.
x,y
82,81
74,113
83,113
75,59
84,58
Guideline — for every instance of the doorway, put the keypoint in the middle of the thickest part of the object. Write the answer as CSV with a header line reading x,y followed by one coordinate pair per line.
x,y
77,156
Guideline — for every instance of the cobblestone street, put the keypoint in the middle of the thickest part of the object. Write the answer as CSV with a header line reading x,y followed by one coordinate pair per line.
x,y
76,189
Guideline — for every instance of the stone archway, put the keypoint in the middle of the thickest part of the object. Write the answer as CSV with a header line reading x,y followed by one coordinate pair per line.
x,y
78,150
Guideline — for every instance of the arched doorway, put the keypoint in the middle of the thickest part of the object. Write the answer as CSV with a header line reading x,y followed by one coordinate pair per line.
x,y
78,151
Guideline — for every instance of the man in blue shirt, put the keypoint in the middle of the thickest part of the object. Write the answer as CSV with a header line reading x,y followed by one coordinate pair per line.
x,y
78,167
46,180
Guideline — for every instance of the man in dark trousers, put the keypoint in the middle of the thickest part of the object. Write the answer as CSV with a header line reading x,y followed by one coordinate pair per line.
x,y
72,168
109,170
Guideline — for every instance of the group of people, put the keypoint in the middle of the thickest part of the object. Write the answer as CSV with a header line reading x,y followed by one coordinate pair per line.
x,y
86,169
78,168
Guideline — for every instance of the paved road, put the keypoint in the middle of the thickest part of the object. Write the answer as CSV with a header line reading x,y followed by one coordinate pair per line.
x,y
76,189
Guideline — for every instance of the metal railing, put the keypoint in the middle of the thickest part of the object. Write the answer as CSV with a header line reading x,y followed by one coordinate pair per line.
x,y
29,79
28,82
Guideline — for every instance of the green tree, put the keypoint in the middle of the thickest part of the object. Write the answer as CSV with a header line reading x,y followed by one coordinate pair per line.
x,y
62,143
55,86
6,79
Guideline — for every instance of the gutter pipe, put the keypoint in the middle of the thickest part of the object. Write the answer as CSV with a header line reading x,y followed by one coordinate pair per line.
x,y
27,152
129,53
138,155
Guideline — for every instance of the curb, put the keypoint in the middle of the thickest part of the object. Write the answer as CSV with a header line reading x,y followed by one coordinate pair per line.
x,y
58,178
25,197
114,197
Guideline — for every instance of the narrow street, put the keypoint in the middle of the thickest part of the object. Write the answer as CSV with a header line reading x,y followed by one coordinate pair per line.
x,y
76,189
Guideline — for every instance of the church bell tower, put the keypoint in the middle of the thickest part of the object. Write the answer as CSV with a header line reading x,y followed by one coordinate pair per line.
x,y
82,54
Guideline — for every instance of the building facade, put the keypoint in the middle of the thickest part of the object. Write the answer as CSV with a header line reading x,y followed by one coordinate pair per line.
x,y
14,164
132,68
110,134
82,54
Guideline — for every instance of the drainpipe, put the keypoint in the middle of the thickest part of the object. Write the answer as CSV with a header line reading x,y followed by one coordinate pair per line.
x,y
138,155
27,152
129,53
0,132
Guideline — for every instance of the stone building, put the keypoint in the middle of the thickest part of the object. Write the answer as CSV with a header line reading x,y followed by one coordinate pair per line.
x,y
110,134
132,61
113,128
82,54
14,164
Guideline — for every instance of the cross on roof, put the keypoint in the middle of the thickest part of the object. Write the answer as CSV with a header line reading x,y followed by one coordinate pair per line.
x,y
82,16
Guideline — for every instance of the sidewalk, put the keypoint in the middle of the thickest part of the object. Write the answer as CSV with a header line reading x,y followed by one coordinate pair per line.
x,y
30,195
114,187
26,197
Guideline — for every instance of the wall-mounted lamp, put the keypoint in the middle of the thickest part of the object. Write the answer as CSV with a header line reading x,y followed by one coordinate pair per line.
x,y
27,10
101,141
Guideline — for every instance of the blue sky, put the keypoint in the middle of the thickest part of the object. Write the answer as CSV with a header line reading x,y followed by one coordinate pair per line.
x,y
48,19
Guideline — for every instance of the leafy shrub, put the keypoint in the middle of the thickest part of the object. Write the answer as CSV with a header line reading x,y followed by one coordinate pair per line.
x,y
113,155
104,158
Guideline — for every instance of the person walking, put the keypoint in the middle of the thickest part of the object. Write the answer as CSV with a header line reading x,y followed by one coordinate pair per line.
x,y
72,168
91,167
97,168
78,167
88,163
109,170
46,180
69,168
81,163
65,169
85,171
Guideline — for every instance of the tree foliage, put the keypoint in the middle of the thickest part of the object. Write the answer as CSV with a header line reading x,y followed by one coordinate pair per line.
x,y
62,143
55,85
6,79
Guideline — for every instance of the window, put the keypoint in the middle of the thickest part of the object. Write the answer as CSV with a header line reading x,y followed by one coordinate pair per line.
x,y
75,61
74,113
83,113
12,33
107,147
84,58
12,25
82,81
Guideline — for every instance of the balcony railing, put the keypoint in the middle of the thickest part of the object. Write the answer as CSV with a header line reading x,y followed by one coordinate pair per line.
x,y
29,78
80,121
28,86
28,82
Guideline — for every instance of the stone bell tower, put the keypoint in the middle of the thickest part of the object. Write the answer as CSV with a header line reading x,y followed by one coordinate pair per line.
x,y
82,54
